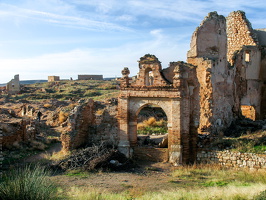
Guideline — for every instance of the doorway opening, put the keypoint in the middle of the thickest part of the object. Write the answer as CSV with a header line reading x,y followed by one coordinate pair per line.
x,y
152,130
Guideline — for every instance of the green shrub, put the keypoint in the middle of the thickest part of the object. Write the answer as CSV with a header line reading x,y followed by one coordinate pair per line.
x,y
151,126
92,93
261,196
27,183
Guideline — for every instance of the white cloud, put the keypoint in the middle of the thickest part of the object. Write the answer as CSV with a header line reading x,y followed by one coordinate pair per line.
x,y
62,20
106,61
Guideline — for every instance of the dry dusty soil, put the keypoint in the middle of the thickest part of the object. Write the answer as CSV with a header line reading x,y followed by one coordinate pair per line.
x,y
148,176
145,176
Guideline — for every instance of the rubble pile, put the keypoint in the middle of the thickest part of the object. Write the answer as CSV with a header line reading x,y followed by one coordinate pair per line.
x,y
94,158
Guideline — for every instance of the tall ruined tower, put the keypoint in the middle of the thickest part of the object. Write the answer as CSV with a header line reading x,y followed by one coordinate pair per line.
x,y
208,51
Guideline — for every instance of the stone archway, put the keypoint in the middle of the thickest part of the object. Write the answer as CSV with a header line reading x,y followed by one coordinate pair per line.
x,y
173,97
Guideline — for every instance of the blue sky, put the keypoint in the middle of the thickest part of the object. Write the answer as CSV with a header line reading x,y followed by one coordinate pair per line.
x,y
40,38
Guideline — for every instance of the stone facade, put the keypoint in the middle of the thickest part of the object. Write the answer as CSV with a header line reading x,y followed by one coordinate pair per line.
x,y
204,95
173,96
90,77
13,86
53,78
233,159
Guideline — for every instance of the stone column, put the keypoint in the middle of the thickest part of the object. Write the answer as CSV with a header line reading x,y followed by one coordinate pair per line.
x,y
133,133
174,129
124,145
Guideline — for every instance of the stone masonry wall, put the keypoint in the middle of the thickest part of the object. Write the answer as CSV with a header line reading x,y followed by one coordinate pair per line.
x,y
53,78
239,33
80,126
233,159
208,50
91,123
13,86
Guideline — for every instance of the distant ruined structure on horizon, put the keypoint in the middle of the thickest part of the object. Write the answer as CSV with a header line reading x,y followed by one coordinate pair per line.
x,y
224,78
53,78
90,77
13,86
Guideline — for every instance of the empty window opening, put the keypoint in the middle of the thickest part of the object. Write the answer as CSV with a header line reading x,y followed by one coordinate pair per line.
x,y
247,56
148,77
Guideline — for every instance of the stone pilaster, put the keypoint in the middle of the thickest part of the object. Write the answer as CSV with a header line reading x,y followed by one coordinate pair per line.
x,y
124,144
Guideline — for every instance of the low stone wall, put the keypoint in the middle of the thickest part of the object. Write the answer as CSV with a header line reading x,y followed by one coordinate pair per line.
x,y
233,159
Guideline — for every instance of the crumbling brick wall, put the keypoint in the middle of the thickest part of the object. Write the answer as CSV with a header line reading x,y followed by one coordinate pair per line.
x,y
13,86
88,126
80,126
244,56
17,130
208,50
239,34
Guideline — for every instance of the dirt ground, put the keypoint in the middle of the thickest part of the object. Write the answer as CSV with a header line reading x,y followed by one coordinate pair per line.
x,y
148,176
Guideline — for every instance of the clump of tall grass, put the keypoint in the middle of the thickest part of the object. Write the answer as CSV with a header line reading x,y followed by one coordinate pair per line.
x,y
261,196
63,116
27,183
152,126
92,194
216,175
225,193
56,156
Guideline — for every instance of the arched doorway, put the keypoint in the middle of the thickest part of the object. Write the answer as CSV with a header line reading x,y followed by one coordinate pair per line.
x,y
152,127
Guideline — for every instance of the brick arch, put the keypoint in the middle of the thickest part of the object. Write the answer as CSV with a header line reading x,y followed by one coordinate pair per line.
x,y
138,106
171,105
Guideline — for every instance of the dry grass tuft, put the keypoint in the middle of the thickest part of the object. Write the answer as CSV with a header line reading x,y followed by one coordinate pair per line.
x,y
47,105
63,116
150,122
37,145
57,155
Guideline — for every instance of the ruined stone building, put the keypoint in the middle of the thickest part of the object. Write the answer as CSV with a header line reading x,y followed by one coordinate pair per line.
x,y
223,79
53,78
13,86
90,77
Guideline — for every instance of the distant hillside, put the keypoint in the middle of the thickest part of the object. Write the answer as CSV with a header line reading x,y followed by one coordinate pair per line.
x,y
26,82
68,90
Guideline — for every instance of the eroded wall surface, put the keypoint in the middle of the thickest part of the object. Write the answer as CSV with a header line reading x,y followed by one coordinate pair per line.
x,y
208,52
244,56
13,86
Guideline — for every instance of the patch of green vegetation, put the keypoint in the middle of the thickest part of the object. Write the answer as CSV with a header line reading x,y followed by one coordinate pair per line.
x,y
27,183
78,173
261,196
248,143
152,126
216,176
215,183
68,90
